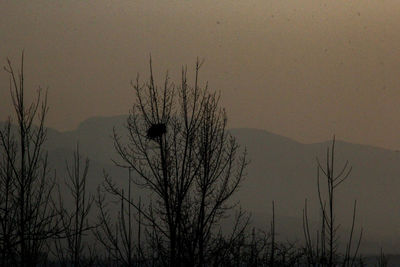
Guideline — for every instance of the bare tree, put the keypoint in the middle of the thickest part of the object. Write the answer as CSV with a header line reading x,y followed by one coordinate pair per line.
x,y
26,186
382,260
324,250
181,152
71,247
118,235
8,211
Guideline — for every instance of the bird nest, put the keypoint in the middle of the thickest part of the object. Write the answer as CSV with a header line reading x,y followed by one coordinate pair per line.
x,y
156,130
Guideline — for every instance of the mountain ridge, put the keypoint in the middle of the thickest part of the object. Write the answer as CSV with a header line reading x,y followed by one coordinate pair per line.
x,y
281,170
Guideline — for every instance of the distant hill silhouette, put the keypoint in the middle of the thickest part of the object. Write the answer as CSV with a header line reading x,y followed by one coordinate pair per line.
x,y
282,170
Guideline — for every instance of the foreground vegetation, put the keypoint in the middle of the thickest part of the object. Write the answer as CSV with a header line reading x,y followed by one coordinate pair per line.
x,y
178,150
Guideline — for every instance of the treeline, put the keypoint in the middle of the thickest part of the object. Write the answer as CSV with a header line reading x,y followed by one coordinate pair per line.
x,y
178,151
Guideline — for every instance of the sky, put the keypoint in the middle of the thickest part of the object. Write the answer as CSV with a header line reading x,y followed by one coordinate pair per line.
x,y
305,69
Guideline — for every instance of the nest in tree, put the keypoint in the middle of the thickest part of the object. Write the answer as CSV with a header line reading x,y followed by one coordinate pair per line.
x,y
156,130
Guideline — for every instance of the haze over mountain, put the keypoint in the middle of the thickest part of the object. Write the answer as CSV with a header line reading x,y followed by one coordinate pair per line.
x,y
290,73
301,68
282,170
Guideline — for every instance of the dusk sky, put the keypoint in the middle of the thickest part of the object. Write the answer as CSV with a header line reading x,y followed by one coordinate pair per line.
x,y
305,69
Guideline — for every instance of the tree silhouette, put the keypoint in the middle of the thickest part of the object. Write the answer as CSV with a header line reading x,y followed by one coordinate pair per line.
x,y
28,218
181,152
71,248
324,251
116,232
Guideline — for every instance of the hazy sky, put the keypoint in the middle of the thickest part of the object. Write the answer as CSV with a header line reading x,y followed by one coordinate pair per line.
x,y
301,68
